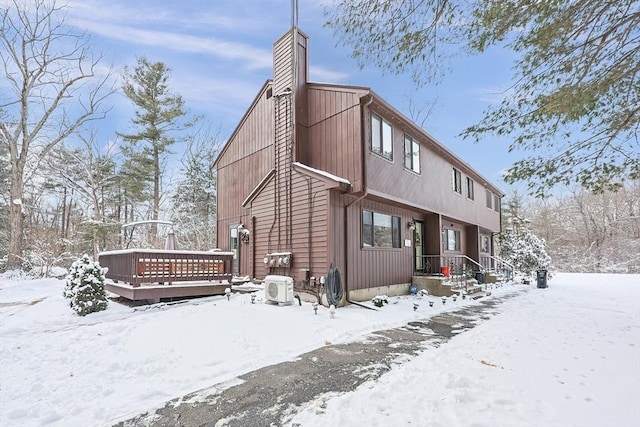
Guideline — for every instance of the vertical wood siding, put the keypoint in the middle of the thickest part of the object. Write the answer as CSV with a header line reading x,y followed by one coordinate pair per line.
x,y
305,235
432,189
334,133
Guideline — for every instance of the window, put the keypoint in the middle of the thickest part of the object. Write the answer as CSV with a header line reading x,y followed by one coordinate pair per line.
x,y
496,203
381,137
489,198
452,239
457,181
411,154
380,230
469,188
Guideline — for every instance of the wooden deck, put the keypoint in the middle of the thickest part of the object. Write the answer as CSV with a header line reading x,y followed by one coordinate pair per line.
x,y
157,292
148,274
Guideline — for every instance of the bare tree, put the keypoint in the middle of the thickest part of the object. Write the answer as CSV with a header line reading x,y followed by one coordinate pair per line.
x,y
52,89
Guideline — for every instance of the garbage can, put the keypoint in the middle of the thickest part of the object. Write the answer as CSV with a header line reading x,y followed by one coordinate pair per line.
x,y
542,278
479,277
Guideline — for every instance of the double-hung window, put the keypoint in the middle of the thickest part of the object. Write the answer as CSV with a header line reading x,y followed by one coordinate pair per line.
x,y
469,188
411,154
489,198
381,137
457,181
380,230
496,203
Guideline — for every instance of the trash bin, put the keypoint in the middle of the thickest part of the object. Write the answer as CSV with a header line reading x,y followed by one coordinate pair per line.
x,y
542,278
479,277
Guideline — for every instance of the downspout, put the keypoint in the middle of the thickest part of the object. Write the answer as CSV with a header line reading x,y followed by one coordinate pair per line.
x,y
346,209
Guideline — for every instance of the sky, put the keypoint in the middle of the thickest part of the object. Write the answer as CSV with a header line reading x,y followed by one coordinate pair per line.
x,y
567,355
220,54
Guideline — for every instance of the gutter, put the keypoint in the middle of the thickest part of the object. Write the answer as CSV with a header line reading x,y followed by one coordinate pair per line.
x,y
346,211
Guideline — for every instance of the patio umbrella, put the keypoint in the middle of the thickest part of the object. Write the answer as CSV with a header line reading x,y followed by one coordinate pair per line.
x,y
170,242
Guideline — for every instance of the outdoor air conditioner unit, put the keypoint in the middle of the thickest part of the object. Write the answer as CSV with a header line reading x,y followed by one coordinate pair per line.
x,y
278,289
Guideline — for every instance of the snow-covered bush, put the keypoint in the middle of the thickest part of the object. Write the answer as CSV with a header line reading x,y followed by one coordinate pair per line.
x,y
85,287
524,250
380,300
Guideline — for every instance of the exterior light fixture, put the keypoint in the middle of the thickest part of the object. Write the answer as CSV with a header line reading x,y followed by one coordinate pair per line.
x,y
412,225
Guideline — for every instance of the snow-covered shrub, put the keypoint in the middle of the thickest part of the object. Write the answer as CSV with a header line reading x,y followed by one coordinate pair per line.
x,y
85,287
380,300
524,250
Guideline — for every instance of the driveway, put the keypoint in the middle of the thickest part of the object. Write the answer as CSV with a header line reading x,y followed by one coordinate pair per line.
x,y
272,395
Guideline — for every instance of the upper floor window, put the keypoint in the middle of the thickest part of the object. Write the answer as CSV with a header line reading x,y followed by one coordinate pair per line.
x,y
381,137
457,181
470,188
380,230
452,239
411,154
496,203
489,195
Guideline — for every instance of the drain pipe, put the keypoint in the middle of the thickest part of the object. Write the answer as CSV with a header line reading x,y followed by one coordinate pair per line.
x,y
346,208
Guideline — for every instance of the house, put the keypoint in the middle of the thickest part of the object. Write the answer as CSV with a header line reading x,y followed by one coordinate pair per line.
x,y
319,176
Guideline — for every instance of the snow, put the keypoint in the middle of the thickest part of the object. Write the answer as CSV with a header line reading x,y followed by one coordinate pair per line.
x,y
566,355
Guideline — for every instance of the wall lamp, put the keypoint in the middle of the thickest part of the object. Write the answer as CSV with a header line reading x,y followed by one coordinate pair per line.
x,y
412,225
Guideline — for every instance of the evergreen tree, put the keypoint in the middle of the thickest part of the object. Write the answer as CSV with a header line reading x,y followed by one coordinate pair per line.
x,y
194,200
518,244
85,287
159,117
575,101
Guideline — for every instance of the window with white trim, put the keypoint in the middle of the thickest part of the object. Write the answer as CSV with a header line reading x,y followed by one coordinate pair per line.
x,y
381,137
470,188
452,239
489,195
411,154
380,230
496,203
457,181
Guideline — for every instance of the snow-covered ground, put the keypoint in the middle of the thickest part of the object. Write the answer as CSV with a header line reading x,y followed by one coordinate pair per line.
x,y
566,355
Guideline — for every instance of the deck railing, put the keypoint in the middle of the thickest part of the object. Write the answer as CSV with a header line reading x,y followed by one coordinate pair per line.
x,y
137,266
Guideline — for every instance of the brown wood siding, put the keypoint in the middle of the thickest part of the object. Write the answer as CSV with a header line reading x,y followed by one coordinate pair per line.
x,y
300,228
334,133
370,267
432,189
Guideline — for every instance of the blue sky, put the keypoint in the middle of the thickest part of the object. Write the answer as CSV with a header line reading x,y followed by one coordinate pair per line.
x,y
220,55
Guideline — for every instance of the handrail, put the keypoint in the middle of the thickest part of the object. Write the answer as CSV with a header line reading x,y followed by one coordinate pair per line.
x,y
447,260
500,260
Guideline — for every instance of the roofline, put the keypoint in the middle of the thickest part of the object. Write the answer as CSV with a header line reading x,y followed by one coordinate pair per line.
x,y
437,145
258,189
262,90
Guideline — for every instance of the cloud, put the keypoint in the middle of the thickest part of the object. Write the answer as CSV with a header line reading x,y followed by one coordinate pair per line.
x,y
253,57
319,74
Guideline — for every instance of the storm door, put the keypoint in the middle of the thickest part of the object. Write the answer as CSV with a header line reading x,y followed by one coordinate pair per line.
x,y
235,248
418,244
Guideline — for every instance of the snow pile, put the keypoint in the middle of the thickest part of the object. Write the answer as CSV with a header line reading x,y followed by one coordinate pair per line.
x,y
566,355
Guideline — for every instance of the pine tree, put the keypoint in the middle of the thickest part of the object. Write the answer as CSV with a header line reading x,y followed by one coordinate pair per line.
x,y
158,118
85,287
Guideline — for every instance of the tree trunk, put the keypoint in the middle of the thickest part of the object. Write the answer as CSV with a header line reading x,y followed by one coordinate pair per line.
x,y
16,242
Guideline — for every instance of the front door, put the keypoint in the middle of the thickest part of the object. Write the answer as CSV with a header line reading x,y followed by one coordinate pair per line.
x,y
418,244
234,247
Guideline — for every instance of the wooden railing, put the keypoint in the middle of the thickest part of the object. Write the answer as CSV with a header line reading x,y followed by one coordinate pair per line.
x,y
137,266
